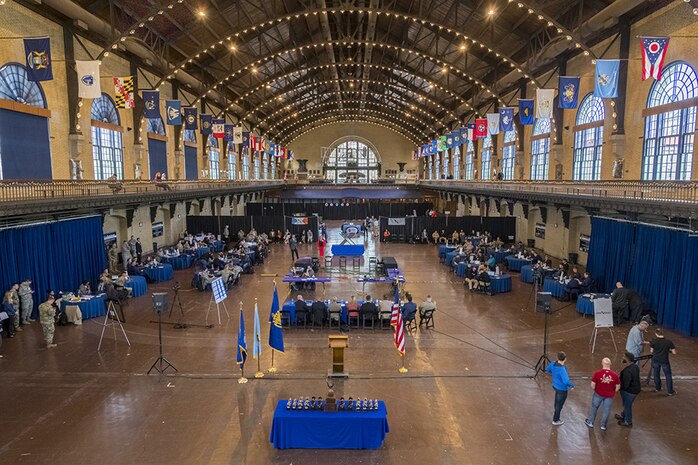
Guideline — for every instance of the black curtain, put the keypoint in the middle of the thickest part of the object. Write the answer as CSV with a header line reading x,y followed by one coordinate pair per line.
x,y
206,224
503,227
336,211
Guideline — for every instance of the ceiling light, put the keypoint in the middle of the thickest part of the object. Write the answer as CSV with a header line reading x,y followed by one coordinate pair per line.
x,y
490,12
201,13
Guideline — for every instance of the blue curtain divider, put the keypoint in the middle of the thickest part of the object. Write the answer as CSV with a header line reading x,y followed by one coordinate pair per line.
x,y
54,256
661,264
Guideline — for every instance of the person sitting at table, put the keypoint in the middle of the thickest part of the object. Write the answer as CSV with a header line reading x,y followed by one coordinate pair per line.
x,y
443,238
228,275
84,288
353,308
219,262
619,302
491,263
471,277
483,278
426,306
121,283
409,309
425,236
386,235
385,308
455,237
309,273
368,310
572,288
302,309
319,311
435,236
565,265
334,310
459,258
586,283
497,244
104,279
574,274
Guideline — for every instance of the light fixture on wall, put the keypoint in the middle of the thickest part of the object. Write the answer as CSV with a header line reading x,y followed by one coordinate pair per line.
x,y
140,224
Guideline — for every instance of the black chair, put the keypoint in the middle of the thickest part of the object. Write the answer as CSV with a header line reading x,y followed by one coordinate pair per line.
x,y
427,319
356,263
411,324
285,319
385,318
369,317
302,316
402,239
485,287
355,318
337,318
342,262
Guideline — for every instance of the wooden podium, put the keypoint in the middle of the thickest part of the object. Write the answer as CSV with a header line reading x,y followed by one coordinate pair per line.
x,y
338,343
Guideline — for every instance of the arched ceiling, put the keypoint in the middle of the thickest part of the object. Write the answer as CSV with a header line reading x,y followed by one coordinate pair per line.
x,y
281,66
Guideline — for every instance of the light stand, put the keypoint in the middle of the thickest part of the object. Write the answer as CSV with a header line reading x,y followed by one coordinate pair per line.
x,y
111,315
161,364
175,300
545,301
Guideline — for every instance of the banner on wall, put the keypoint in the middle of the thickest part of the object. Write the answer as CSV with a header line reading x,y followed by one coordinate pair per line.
x,y
606,78
151,104
88,79
568,92
526,111
396,221
653,53
190,118
173,110
37,50
237,135
506,119
493,123
544,103
218,128
299,220
123,92
206,124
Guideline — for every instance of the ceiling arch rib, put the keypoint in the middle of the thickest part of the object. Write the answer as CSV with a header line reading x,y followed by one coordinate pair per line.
x,y
328,120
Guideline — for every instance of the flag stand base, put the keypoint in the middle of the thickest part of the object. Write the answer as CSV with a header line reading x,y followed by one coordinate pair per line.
x,y
403,370
273,370
259,374
242,380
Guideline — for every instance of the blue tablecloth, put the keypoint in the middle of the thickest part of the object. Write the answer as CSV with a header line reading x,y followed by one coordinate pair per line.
x,y
501,283
179,263
290,307
586,306
554,287
317,279
218,246
444,249
499,255
138,285
90,308
347,250
448,259
515,264
162,272
462,266
313,429
526,275
202,251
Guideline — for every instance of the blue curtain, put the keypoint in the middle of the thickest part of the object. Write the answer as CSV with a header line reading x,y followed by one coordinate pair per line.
x,y
54,256
660,264
191,165
24,146
157,156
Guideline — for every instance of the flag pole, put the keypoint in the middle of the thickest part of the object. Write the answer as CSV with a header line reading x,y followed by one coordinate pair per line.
x,y
258,343
402,368
273,369
242,379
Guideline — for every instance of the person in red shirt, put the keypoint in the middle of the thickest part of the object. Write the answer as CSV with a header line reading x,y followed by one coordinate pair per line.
x,y
321,246
605,384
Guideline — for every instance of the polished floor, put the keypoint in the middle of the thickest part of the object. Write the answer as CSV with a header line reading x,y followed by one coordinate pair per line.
x,y
469,396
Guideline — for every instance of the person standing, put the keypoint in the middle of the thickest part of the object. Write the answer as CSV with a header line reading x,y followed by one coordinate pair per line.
x,y
125,253
629,389
660,348
139,250
561,385
636,339
113,257
226,234
26,301
310,236
13,298
293,245
321,247
47,317
132,246
605,384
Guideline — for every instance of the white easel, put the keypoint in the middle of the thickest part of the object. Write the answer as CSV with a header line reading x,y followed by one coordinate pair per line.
x,y
603,318
218,295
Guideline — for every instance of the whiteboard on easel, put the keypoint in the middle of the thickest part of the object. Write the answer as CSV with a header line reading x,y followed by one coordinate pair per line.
x,y
603,313
219,291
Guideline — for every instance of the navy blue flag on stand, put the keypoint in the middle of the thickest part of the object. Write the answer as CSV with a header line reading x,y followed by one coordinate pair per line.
x,y
38,53
526,111
506,119
276,336
190,118
242,344
173,108
568,92
151,104
206,124
606,78
228,132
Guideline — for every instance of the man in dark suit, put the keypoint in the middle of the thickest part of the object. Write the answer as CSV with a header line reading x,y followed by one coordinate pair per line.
x,y
586,282
368,309
302,309
139,250
619,302
319,313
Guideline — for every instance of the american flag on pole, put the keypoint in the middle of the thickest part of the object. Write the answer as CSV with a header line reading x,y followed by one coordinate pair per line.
x,y
653,53
396,304
399,336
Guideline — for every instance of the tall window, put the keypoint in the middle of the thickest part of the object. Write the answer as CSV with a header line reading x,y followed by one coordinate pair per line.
x,y
588,139
156,126
540,149
669,128
16,86
246,167
456,163
190,135
265,165
509,155
214,154
351,161
232,162
429,164
486,158
273,169
470,152
107,147
256,168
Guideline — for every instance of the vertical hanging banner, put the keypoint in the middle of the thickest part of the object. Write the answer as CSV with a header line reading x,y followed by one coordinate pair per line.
x,y
37,50
151,104
568,92
653,52
228,132
456,138
526,111
218,128
493,123
237,135
441,144
544,103
480,128
173,110
190,118
606,78
471,131
206,124
464,135
123,92
506,119
88,79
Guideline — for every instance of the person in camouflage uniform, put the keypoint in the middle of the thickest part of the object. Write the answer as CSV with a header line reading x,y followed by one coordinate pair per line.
x,y
47,316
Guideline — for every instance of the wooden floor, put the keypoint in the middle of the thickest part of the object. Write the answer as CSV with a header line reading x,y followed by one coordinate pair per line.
x,y
469,396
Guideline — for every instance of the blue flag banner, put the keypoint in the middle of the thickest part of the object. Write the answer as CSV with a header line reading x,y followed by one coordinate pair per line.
x,y
526,111
449,140
174,112
242,345
151,104
456,137
464,135
38,53
257,344
190,118
606,78
433,146
506,119
228,132
568,92
276,335
245,139
206,124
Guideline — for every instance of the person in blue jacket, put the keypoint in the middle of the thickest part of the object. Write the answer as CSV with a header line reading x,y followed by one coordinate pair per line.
x,y
561,384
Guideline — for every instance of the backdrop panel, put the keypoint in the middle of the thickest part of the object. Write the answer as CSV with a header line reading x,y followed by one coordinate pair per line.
x,y
25,152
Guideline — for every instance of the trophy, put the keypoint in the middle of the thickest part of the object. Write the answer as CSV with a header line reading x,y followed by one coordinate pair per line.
x,y
330,403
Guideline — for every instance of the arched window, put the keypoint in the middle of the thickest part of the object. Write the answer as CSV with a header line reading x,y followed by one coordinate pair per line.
x,y
444,170
232,162
588,139
107,144
245,167
456,162
16,86
214,154
509,155
486,158
669,128
265,165
191,163
351,161
540,149
469,154
156,126
256,167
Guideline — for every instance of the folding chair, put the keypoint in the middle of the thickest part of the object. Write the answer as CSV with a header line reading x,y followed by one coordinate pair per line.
x,y
356,263
372,261
343,262
328,261
385,319
427,319
285,319
354,316
411,325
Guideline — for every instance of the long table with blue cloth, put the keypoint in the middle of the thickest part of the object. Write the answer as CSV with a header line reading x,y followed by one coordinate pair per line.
x,y
138,285
499,255
181,262
162,272
526,275
444,249
515,264
555,287
315,429
348,250
90,307
290,307
501,283
585,304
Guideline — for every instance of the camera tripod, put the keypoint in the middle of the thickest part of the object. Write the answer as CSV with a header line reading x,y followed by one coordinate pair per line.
x,y
161,364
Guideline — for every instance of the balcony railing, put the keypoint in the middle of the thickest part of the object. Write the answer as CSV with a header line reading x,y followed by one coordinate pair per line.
x,y
680,192
17,191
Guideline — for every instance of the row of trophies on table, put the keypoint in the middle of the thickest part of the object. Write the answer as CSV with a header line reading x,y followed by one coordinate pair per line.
x,y
312,403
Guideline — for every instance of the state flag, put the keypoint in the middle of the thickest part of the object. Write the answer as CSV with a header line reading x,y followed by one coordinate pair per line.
x,y
653,54
88,79
123,92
